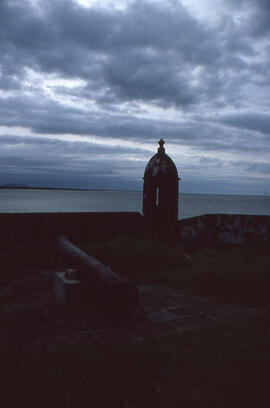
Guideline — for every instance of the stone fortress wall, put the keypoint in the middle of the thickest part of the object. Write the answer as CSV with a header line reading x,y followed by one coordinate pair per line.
x,y
75,226
225,228
216,228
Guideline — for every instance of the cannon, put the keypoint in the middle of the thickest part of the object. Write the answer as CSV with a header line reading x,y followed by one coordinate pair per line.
x,y
92,285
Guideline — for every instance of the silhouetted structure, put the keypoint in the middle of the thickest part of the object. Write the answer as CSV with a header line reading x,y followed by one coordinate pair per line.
x,y
160,191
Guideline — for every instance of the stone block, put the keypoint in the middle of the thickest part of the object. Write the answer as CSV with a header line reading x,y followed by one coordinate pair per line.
x,y
69,291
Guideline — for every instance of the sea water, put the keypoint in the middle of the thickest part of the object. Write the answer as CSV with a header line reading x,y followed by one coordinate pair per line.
x,y
190,205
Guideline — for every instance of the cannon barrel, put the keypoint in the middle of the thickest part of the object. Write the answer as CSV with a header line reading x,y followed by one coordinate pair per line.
x,y
104,288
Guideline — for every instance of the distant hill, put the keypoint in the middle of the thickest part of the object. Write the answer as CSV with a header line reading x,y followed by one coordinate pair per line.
x,y
22,186
13,185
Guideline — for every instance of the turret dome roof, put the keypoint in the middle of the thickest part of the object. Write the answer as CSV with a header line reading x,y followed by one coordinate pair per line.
x,y
161,165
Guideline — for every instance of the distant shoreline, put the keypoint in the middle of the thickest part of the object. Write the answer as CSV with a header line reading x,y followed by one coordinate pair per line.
x,y
60,188
21,187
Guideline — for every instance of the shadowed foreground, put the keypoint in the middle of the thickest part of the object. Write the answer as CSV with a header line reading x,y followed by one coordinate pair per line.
x,y
120,364
219,367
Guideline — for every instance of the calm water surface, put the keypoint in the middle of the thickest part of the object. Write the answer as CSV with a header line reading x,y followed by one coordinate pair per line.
x,y
190,205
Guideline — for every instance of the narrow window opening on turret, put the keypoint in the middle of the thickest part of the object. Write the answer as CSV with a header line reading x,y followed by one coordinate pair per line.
x,y
157,197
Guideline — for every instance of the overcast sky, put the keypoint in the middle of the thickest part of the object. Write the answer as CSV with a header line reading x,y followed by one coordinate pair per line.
x,y
87,88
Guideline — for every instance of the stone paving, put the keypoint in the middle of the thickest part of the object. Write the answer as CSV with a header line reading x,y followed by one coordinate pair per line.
x,y
169,310
36,316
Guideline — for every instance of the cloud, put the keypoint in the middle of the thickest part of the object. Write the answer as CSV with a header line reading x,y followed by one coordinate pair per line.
x,y
55,157
257,16
146,53
259,122
132,75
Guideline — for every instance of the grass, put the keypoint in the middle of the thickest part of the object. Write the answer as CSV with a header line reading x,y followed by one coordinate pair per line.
x,y
15,261
17,258
232,274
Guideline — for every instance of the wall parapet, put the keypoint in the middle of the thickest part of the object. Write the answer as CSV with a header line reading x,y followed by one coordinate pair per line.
x,y
217,228
225,228
76,226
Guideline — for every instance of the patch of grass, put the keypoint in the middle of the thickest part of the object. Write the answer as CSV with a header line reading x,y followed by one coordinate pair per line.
x,y
226,366
236,274
21,257
16,261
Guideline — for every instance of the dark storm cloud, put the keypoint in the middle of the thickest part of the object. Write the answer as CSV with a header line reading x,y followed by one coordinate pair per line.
x,y
260,122
200,134
54,159
56,146
145,53
44,116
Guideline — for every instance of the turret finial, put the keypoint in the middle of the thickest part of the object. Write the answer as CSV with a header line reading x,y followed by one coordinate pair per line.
x,y
161,148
